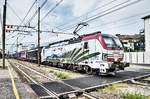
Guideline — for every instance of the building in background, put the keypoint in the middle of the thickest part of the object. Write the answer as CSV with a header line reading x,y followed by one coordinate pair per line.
x,y
132,43
147,32
24,47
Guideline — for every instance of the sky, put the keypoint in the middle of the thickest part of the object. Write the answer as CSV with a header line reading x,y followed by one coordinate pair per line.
x,y
113,19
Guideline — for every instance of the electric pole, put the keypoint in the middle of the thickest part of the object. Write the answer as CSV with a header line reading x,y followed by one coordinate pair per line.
x,y
3,33
17,47
39,58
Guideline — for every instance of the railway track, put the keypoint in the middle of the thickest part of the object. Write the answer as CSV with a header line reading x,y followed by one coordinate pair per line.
x,y
83,90
55,68
51,94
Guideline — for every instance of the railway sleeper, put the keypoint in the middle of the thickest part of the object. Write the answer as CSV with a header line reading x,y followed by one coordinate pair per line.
x,y
71,95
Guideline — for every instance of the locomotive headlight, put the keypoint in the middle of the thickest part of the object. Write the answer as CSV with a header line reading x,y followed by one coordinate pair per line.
x,y
105,56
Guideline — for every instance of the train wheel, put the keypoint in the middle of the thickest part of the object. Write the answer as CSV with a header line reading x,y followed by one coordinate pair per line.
x,y
88,70
74,68
68,66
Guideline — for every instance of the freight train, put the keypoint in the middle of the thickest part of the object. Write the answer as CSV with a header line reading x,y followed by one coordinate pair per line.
x,y
94,53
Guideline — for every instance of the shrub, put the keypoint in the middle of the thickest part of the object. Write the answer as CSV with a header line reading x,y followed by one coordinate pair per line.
x,y
51,71
135,95
62,75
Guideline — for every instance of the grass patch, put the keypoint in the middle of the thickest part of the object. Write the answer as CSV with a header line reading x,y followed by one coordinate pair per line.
x,y
114,88
134,96
126,95
51,71
62,75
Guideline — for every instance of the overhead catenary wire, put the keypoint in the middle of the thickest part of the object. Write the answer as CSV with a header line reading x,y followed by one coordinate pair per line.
x,y
57,4
90,19
115,6
14,12
26,13
35,15
120,26
93,10
31,17
101,15
36,12
93,18
121,19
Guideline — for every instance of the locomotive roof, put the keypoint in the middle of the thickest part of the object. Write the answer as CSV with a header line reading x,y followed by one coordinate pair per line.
x,y
73,40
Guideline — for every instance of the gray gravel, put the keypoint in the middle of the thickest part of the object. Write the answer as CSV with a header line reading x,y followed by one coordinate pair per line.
x,y
6,89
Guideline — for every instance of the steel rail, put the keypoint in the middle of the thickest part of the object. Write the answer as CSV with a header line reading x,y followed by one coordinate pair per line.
x,y
75,88
51,93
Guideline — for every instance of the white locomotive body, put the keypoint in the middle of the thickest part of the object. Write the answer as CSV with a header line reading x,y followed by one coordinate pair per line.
x,y
92,53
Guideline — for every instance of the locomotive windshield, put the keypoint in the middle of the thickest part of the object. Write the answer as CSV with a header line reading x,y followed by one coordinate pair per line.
x,y
112,42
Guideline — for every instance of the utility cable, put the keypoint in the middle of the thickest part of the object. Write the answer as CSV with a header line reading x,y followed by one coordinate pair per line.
x,y
93,10
119,8
100,13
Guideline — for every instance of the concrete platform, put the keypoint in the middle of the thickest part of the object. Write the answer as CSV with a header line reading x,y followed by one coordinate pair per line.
x,y
6,88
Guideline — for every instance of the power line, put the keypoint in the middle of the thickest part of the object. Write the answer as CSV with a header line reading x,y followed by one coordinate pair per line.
x,y
102,6
31,17
119,8
27,14
90,19
122,19
57,4
11,8
36,12
28,11
123,25
101,12
119,26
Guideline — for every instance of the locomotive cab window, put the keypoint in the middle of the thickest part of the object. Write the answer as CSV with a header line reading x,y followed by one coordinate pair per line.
x,y
85,45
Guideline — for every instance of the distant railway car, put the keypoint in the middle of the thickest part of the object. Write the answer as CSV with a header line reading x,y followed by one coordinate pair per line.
x,y
92,53
22,55
16,55
32,55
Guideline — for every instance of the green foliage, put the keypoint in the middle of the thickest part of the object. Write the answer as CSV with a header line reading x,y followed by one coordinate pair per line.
x,y
51,71
134,96
126,50
62,75
114,88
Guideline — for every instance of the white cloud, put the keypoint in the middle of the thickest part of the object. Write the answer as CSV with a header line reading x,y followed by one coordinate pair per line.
x,y
81,7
